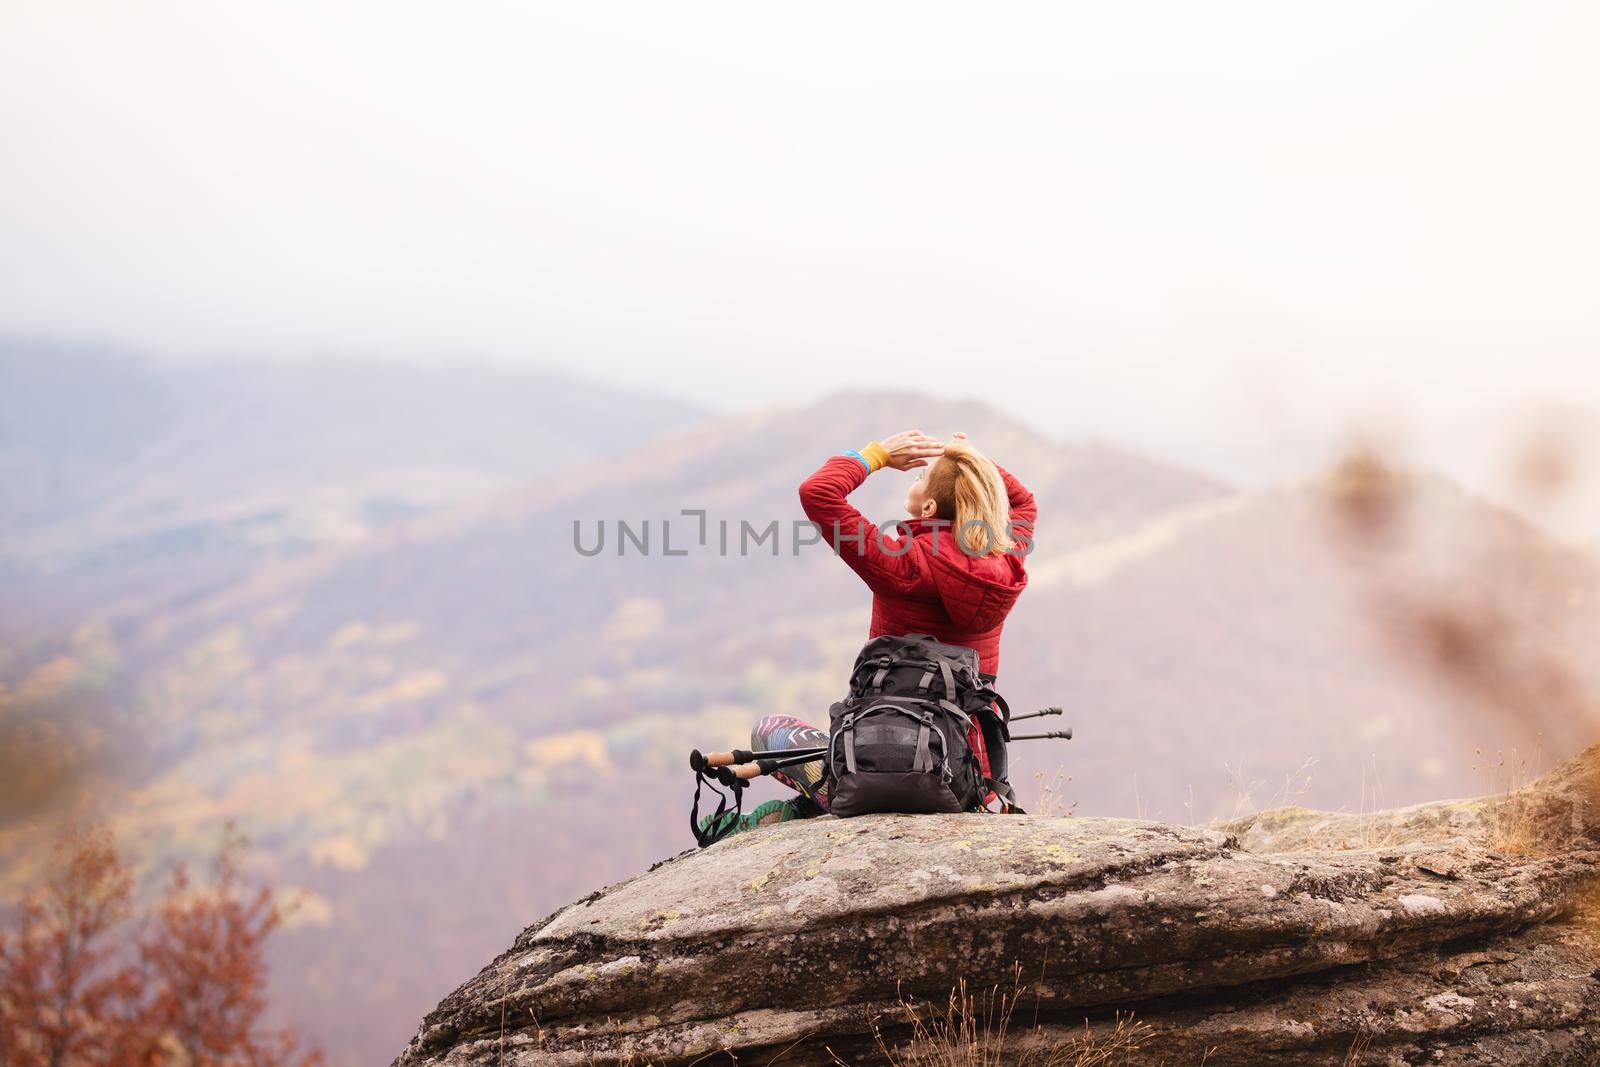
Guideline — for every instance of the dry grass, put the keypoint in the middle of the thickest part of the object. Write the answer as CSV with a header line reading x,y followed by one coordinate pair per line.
x,y
1513,814
1357,1050
975,1030
1375,829
1050,796
1295,785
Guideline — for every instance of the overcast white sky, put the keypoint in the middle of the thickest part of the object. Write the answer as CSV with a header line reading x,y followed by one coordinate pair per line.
x,y
1206,227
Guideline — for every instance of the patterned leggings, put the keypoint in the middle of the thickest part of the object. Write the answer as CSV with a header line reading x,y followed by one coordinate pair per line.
x,y
780,732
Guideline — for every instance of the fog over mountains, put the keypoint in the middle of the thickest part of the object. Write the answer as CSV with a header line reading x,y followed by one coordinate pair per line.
x,y
343,607
110,460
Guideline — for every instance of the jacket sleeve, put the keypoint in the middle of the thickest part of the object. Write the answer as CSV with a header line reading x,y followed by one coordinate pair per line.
x,y
1023,508
884,567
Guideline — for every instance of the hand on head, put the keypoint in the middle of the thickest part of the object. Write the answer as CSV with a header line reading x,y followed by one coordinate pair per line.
x,y
911,448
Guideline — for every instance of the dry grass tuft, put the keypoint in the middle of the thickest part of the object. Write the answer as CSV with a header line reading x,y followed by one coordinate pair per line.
x,y
1376,829
975,1030
1050,797
1295,785
1357,1050
1514,827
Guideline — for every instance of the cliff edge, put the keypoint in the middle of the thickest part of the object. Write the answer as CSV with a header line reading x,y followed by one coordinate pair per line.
x,y
1451,933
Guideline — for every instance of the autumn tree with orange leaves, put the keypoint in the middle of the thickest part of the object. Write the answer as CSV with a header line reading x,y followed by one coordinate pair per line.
x,y
84,981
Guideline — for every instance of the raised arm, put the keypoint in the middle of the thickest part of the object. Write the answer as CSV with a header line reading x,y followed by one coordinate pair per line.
x,y
852,536
1023,508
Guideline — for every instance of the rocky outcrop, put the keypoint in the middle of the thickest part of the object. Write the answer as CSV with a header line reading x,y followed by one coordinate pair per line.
x,y
1446,933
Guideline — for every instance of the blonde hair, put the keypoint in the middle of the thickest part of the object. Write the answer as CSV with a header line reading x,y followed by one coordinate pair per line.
x,y
966,488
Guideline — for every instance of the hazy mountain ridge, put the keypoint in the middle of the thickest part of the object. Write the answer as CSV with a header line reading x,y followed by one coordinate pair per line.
x,y
467,685
111,459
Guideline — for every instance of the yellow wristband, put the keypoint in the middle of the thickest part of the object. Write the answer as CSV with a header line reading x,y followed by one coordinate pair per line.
x,y
876,455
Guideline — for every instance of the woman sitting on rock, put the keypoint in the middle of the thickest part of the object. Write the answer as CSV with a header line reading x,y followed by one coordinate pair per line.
x,y
970,526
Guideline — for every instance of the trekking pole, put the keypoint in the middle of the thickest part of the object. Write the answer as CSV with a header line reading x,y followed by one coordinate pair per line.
x,y
1064,734
699,761
1036,714
737,774
759,767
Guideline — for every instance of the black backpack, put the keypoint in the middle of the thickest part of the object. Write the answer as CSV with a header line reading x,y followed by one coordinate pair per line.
x,y
898,742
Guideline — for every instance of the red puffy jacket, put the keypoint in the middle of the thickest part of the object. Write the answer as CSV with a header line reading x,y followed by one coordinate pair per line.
x,y
929,586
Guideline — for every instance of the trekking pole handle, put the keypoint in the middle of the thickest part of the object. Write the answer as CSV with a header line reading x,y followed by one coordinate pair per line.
x,y
1037,714
1065,735
756,768
700,761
